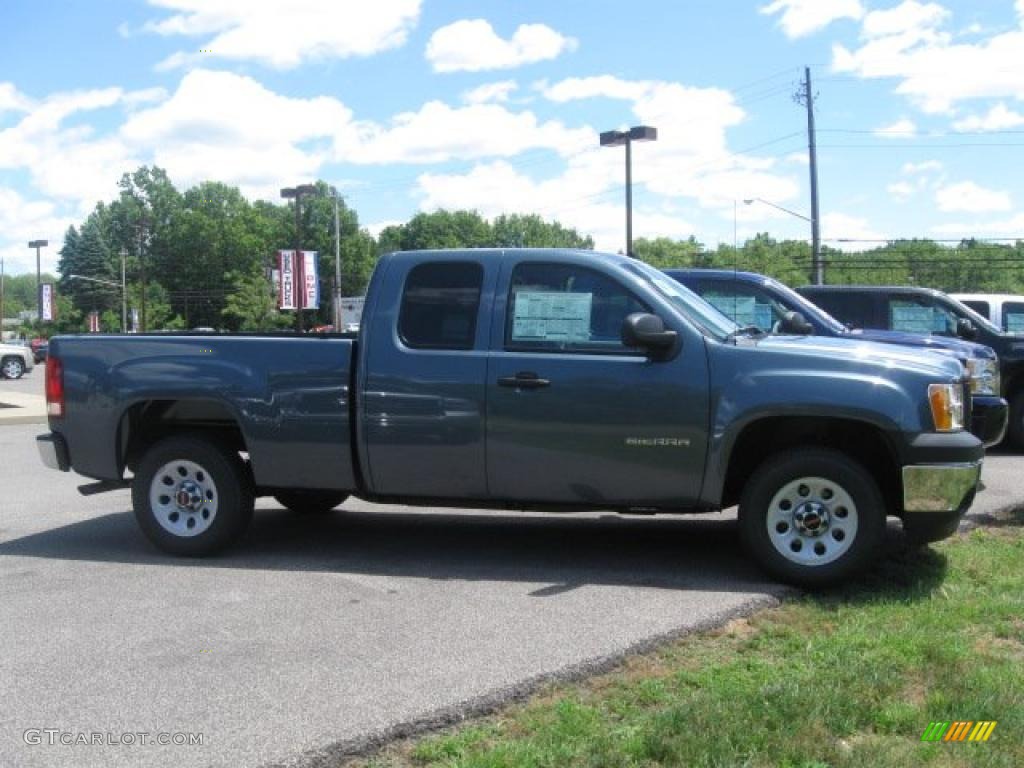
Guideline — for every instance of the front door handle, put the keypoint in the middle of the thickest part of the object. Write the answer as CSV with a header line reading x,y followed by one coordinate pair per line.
x,y
524,380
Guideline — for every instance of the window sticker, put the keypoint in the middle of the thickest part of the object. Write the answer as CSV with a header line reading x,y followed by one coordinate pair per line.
x,y
763,316
911,318
743,310
552,316
1014,322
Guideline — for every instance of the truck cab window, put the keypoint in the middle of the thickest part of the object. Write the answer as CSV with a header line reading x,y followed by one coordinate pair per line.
x,y
563,308
1013,317
440,305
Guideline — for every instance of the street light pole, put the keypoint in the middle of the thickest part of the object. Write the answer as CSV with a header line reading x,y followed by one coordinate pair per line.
x,y
296,193
337,265
124,296
626,138
37,244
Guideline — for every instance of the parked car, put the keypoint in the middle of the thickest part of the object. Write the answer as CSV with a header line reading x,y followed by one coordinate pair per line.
x,y
15,360
750,298
531,379
1003,310
922,310
39,351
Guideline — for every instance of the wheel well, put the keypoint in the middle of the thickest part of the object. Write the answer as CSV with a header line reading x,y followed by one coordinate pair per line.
x,y
150,420
766,437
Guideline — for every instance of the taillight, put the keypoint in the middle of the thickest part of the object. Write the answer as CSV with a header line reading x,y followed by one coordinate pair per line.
x,y
54,387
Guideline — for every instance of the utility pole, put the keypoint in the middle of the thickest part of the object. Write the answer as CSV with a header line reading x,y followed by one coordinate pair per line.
x,y
1,299
806,97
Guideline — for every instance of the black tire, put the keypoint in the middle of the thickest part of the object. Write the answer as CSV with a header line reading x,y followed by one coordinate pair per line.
x,y
310,502
819,525
202,469
1015,429
12,367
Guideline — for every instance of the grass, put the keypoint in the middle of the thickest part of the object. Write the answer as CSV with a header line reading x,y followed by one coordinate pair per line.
x,y
849,678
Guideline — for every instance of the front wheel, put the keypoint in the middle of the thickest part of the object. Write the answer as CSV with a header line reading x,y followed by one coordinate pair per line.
x,y
310,502
192,495
12,367
812,517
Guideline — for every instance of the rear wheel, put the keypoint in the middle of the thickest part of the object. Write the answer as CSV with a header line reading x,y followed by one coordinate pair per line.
x,y
12,367
192,495
1015,430
813,517
310,502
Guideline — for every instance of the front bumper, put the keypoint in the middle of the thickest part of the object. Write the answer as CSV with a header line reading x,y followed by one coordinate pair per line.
x,y
940,487
989,418
54,451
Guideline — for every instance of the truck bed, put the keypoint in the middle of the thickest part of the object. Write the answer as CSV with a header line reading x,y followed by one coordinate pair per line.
x,y
286,397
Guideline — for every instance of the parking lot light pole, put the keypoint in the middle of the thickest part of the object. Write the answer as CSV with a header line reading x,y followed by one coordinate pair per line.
x,y
626,138
296,193
337,264
38,244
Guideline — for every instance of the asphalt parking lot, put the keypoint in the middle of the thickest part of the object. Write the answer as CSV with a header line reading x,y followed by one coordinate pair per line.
x,y
318,633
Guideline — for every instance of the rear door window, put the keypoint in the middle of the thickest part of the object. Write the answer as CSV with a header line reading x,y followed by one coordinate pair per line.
x,y
1013,317
981,307
440,305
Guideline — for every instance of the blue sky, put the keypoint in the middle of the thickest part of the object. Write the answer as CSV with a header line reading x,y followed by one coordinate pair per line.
x,y
411,105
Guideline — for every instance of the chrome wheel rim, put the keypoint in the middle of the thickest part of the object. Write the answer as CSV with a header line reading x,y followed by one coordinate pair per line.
x,y
12,369
812,521
183,498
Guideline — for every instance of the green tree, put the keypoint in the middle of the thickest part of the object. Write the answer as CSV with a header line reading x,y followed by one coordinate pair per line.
x,y
531,231
251,305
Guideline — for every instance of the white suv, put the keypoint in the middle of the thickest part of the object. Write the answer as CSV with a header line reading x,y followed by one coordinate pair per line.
x,y
15,360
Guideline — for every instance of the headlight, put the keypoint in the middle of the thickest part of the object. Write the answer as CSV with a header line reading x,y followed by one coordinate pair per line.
x,y
947,407
984,376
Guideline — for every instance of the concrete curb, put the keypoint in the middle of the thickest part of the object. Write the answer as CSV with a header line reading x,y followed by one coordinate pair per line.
x,y
22,408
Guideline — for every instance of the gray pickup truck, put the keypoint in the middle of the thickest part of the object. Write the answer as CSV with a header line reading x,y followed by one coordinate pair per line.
x,y
526,379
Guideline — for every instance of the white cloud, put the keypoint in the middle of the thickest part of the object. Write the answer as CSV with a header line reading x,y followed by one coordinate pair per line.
x,y
903,128
283,35
219,125
901,191
585,197
909,42
800,18
998,118
438,132
12,100
490,92
23,220
1012,227
971,198
925,166
472,45
838,227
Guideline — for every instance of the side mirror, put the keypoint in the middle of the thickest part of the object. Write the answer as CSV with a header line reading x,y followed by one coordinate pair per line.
x,y
794,323
643,330
965,329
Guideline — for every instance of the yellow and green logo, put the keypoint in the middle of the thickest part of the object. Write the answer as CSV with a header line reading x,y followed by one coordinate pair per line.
x,y
958,730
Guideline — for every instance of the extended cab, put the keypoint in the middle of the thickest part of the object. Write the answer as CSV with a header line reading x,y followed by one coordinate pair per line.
x,y
750,298
925,310
532,379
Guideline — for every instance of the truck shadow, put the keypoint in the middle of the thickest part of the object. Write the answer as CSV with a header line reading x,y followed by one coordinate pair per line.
x,y
564,552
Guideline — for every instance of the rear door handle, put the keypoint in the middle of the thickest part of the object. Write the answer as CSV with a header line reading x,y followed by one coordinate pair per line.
x,y
524,380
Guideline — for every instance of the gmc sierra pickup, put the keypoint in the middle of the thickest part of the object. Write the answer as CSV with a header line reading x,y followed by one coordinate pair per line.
x,y
529,379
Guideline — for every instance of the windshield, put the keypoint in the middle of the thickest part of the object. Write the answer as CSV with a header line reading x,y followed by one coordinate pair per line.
x,y
696,310
806,306
978,320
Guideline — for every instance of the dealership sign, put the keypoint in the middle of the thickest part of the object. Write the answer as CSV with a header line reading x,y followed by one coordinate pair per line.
x,y
47,302
298,280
